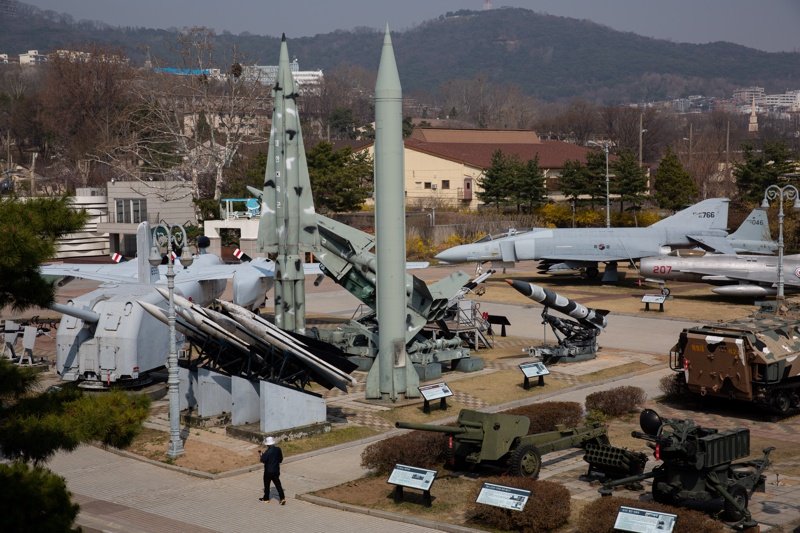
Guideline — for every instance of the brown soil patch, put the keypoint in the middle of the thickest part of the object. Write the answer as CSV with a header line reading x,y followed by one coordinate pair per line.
x,y
198,455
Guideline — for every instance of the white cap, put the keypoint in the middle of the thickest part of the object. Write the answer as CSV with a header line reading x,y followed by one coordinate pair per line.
x,y
269,441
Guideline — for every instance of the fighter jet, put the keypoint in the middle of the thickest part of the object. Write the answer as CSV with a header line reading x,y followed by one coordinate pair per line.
x,y
703,224
737,275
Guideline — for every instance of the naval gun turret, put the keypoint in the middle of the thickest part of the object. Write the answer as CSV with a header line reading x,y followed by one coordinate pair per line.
x,y
347,260
577,338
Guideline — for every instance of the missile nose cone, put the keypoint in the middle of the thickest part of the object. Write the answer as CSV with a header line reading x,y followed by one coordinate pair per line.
x,y
522,286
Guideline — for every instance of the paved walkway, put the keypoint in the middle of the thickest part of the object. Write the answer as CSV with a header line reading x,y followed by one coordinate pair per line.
x,y
117,493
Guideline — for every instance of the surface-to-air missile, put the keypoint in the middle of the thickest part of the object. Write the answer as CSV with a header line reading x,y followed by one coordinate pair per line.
x,y
697,465
503,440
242,343
346,259
754,359
577,339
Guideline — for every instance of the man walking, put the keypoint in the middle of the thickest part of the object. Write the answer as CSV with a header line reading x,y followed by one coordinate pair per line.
x,y
272,458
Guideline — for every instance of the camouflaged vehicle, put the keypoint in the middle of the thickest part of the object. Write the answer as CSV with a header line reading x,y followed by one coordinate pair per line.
x,y
754,359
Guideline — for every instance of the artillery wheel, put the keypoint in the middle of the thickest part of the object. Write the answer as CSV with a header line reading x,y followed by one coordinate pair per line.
x,y
781,402
738,493
526,461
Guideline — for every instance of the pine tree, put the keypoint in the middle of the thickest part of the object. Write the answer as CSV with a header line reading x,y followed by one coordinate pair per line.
x,y
496,181
630,181
761,168
673,187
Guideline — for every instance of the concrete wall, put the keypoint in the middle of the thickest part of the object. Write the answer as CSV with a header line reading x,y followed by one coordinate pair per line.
x,y
213,393
246,407
285,408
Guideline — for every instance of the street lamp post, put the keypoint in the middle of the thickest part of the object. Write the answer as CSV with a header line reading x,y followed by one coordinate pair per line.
x,y
175,448
789,192
608,199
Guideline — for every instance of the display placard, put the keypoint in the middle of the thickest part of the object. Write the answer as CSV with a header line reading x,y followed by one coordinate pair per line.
x,y
412,477
653,299
532,370
435,391
502,496
644,521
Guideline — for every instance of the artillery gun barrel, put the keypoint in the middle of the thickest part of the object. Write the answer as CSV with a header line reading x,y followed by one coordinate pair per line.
x,y
450,430
78,312
595,318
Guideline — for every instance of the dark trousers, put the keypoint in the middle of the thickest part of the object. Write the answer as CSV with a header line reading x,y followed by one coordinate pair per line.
x,y
276,479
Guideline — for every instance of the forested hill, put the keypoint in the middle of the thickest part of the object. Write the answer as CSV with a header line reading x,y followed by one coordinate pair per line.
x,y
546,56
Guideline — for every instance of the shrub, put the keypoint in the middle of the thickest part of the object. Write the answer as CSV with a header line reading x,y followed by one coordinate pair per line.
x,y
545,416
671,386
547,509
418,448
617,401
600,515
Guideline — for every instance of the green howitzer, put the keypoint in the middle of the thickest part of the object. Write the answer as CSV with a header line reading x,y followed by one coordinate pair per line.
x,y
503,439
698,465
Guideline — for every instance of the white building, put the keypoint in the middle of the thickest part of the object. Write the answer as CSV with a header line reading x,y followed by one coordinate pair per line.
x,y
306,80
32,57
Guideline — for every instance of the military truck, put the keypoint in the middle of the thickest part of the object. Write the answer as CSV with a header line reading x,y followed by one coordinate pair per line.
x,y
754,359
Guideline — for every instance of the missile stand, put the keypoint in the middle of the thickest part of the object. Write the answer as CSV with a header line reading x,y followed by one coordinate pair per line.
x,y
576,342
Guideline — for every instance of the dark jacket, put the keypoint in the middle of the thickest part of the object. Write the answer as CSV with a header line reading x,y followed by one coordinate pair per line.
x,y
272,459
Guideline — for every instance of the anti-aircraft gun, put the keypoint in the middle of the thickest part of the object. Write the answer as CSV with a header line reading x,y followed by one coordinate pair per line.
x,y
577,339
698,465
503,440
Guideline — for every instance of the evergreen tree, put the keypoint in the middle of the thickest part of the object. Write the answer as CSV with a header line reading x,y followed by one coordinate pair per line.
x,y
340,180
496,181
673,188
596,175
33,427
630,181
530,189
30,230
760,169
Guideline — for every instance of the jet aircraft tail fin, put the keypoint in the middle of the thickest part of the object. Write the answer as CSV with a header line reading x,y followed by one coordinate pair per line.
x,y
711,214
754,228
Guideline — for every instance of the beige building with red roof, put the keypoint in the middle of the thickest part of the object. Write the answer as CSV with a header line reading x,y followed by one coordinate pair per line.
x,y
443,166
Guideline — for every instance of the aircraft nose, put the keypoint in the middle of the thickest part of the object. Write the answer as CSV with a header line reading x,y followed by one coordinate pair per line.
x,y
456,254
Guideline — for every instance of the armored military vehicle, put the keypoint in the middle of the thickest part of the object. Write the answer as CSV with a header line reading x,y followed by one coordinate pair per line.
x,y
753,359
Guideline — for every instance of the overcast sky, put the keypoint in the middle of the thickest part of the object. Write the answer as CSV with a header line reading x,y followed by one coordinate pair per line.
x,y
770,25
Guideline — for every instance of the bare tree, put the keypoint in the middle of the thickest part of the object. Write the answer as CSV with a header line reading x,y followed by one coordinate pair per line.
x,y
190,124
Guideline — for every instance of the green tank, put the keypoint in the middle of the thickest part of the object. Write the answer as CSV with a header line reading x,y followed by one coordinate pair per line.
x,y
503,440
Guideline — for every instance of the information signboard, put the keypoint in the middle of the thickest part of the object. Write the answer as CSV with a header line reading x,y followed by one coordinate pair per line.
x,y
412,477
532,370
435,391
644,521
502,496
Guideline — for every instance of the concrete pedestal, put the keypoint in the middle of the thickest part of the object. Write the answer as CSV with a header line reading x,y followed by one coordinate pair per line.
x,y
187,388
284,408
213,393
246,407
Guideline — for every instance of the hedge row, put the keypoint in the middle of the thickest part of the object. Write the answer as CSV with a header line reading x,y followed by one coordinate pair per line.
x,y
547,509
599,516
417,448
545,416
617,401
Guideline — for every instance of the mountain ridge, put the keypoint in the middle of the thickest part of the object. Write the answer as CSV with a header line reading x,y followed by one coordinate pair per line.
x,y
549,57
